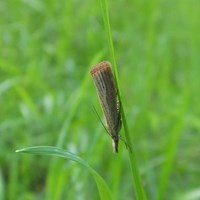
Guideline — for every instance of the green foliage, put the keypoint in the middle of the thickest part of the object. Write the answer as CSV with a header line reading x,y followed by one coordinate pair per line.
x,y
46,92
137,183
53,151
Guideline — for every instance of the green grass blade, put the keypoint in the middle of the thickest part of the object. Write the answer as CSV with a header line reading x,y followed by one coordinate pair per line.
x,y
53,191
140,194
26,98
104,191
1,186
193,194
175,136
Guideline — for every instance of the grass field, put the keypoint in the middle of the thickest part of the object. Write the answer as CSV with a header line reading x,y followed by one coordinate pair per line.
x,y
47,49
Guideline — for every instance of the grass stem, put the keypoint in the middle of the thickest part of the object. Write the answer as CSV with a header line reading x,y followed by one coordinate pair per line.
x,y
139,191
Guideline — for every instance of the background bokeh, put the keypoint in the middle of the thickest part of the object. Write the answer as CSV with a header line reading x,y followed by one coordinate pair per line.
x,y
46,94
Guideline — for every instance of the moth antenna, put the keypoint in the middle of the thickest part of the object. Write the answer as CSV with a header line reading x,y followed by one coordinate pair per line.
x,y
100,120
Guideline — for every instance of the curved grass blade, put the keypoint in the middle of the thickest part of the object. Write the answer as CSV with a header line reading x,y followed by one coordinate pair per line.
x,y
103,189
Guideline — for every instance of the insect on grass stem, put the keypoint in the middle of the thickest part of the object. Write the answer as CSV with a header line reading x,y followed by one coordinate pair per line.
x,y
108,96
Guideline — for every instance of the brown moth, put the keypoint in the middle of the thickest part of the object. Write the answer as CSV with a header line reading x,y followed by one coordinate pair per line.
x,y
108,97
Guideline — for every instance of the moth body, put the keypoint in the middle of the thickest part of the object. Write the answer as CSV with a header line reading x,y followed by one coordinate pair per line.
x,y
106,88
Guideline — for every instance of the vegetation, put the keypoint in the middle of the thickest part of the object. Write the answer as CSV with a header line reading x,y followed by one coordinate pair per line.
x,y
46,94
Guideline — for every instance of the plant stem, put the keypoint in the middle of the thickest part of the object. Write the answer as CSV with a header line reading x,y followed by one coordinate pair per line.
x,y
140,194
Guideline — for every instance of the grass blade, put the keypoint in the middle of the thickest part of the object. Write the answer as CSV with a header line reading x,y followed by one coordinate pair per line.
x,y
140,194
172,150
1,186
104,191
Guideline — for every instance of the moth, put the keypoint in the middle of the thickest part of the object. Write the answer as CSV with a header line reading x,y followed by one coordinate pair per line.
x,y
108,96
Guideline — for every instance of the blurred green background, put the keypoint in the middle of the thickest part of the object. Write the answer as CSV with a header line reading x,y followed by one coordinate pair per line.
x,y
46,94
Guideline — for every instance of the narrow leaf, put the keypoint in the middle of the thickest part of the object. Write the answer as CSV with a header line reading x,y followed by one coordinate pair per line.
x,y
103,189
